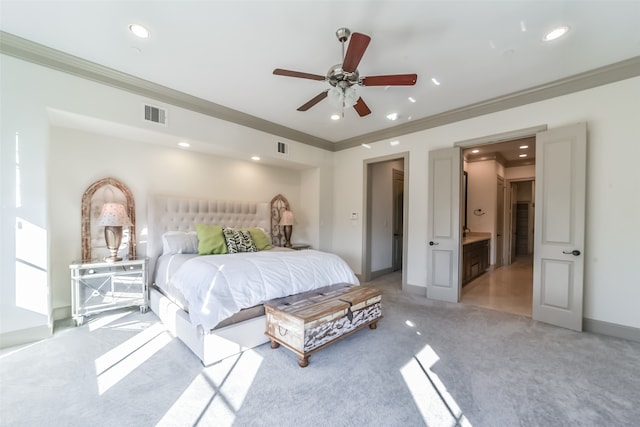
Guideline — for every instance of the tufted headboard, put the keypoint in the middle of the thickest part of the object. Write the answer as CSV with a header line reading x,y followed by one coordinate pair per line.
x,y
168,213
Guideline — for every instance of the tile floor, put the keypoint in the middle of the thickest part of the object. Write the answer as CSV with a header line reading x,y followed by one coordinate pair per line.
x,y
508,289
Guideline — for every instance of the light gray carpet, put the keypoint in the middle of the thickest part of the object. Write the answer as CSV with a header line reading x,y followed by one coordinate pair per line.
x,y
428,363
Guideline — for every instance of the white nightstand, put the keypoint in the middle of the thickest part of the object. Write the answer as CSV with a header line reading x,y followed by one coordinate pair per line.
x,y
98,286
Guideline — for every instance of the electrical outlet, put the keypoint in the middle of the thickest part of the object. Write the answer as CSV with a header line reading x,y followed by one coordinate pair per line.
x,y
354,215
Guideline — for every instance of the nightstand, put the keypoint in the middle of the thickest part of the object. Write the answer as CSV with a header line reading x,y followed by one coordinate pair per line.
x,y
300,246
98,286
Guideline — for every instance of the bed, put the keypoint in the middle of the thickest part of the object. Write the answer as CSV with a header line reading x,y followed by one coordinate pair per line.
x,y
215,326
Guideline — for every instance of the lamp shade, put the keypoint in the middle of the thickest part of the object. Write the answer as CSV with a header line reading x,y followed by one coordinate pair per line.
x,y
114,214
286,218
343,97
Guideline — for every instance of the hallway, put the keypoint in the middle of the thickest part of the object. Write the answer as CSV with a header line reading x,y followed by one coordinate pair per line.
x,y
508,289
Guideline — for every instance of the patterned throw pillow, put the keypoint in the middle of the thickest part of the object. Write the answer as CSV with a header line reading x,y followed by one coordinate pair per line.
x,y
238,241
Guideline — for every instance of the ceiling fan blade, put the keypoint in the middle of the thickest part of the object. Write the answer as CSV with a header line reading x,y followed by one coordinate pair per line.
x,y
357,45
289,73
313,101
361,108
391,80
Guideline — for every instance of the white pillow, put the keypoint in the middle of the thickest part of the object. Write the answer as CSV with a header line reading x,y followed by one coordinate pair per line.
x,y
179,242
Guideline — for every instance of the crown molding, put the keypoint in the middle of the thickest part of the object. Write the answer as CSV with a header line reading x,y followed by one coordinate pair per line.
x,y
600,76
38,54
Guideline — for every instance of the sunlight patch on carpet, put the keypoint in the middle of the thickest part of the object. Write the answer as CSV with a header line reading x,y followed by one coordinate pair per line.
x,y
434,402
117,363
217,394
104,320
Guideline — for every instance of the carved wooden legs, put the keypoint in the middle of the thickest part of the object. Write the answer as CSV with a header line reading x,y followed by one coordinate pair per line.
x,y
303,362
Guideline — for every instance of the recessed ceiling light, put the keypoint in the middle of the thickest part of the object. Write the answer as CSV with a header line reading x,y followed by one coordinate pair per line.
x,y
335,117
392,116
184,144
394,143
475,151
255,158
366,146
435,81
522,155
522,147
412,99
139,31
555,33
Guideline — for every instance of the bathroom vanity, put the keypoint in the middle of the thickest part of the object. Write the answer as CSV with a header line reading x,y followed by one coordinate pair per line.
x,y
475,255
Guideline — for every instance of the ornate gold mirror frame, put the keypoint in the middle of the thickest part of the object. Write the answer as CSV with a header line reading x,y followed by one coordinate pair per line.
x,y
279,204
98,193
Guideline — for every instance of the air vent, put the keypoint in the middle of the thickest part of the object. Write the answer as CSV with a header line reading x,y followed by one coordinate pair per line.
x,y
283,148
155,114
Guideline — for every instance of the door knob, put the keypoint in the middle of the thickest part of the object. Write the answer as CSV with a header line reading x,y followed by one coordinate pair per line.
x,y
431,243
574,252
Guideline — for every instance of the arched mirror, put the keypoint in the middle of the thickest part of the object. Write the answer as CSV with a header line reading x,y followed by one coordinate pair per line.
x,y
107,190
279,204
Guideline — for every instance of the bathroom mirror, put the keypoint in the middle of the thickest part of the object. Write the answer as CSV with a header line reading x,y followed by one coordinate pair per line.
x,y
279,204
465,178
107,190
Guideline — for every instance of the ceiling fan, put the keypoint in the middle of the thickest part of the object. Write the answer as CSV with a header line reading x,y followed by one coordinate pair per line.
x,y
343,77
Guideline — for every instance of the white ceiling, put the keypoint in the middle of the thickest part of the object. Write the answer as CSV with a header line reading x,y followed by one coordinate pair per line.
x,y
225,51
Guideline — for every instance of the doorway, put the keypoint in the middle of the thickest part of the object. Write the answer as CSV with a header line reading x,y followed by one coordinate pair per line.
x,y
384,218
559,232
397,218
507,185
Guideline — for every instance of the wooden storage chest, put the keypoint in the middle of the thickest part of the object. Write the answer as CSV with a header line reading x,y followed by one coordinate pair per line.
x,y
308,322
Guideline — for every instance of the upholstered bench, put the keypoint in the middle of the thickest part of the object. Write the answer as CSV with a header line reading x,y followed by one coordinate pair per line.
x,y
308,322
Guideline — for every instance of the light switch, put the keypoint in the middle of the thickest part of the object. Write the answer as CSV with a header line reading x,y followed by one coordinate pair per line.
x,y
354,215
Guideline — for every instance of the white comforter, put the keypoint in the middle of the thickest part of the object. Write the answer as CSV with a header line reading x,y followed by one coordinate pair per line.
x,y
217,286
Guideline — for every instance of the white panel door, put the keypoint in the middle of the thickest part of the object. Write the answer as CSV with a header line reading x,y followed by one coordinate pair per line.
x,y
558,263
443,225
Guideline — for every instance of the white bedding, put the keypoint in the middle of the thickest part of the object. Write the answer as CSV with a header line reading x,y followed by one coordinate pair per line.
x,y
218,286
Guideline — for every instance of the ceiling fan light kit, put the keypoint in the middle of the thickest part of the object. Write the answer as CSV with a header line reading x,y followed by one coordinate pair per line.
x,y
346,97
344,78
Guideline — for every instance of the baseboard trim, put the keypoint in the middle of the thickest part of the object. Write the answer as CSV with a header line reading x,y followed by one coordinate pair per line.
x,y
611,329
415,290
61,313
24,336
379,273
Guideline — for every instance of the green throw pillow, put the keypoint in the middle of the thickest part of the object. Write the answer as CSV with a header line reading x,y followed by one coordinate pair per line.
x,y
260,238
210,240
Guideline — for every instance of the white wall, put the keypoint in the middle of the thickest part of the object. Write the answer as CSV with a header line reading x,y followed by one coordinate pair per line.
x,y
482,196
57,164
37,95
613,200
520,172
77,159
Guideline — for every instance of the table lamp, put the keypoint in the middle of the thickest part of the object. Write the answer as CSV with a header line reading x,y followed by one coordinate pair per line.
x,y
113,217
286,220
